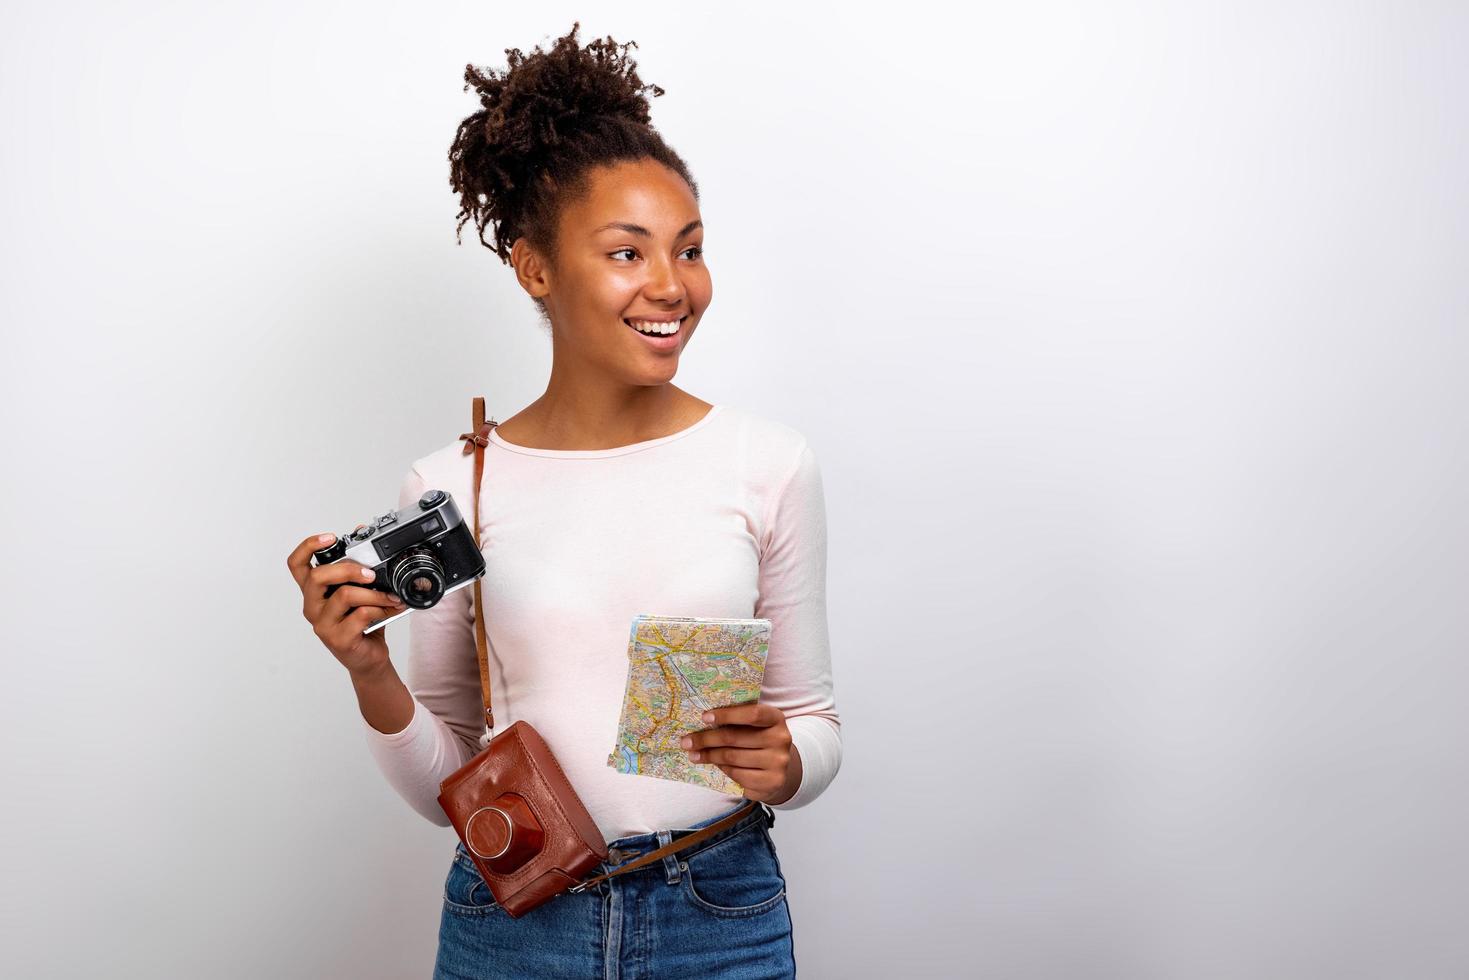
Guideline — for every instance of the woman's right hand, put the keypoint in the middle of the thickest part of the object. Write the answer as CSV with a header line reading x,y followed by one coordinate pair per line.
x,y
340,619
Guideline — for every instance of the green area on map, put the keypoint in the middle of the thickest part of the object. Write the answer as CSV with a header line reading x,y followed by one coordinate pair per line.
x,y
678,667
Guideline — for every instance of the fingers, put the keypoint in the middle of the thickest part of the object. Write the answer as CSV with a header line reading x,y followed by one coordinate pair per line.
x,y
750,779
356,623
745,776
299,560
347,599
353,605
347,575
748,758
739,735
753,713
357,602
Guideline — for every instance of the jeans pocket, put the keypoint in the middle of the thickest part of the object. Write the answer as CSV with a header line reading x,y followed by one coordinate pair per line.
x,y
465,891
734,878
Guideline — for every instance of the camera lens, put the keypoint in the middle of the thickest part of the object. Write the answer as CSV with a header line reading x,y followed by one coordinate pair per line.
x,y
418,577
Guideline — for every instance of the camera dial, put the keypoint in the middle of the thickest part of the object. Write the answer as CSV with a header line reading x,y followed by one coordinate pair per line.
x,y
331,552
431,499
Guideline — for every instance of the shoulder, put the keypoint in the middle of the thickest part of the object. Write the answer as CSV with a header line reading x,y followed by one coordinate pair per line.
x,y
446,468
775,451
767,438
784,480
448,458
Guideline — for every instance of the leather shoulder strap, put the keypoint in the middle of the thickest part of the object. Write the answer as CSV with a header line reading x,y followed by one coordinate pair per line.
x,y
682,843
475,441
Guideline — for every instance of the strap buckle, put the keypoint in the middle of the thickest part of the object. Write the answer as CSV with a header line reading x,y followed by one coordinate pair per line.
x,y
480,438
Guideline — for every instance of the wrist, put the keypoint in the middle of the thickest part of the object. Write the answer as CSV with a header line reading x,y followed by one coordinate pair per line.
x,y
793,778
385,701
374,676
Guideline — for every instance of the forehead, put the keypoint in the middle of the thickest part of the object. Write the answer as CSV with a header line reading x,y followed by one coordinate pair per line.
x,y
642,192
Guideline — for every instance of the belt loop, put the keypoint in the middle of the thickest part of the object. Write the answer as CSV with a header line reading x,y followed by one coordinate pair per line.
x,y
670,861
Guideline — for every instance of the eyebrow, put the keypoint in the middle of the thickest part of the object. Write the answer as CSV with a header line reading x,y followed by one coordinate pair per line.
x,y
640,230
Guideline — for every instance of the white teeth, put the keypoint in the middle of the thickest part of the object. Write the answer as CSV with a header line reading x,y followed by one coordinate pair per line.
x,y
648,326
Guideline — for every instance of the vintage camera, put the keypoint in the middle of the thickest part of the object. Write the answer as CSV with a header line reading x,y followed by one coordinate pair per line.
x,y
420,553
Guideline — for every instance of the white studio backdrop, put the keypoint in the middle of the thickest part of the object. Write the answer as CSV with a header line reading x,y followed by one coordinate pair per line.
x,y
1131,339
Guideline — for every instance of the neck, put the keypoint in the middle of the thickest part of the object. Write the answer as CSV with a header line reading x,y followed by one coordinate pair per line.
x,y
589,417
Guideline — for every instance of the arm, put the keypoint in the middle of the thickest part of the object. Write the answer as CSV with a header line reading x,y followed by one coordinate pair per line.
x,y
421,732
383,698
798,677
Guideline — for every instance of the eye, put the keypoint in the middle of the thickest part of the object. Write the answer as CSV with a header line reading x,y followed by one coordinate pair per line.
x,y
698,251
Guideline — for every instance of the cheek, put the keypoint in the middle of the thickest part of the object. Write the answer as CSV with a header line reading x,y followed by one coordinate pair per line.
x,y
701,290
598,289
618,293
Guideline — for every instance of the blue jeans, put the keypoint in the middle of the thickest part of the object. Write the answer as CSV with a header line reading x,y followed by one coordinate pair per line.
x,y
717,911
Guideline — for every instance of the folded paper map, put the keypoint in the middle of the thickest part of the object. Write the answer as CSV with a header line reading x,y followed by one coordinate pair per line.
x,y
678,667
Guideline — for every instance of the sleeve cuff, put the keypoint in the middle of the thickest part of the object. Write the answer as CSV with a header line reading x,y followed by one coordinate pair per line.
x,y
408,734
820,745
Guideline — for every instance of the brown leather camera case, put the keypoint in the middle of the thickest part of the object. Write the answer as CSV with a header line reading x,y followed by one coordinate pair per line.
x,y
518,771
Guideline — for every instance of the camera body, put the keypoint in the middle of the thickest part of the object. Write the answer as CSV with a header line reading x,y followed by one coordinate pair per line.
x,y
420,553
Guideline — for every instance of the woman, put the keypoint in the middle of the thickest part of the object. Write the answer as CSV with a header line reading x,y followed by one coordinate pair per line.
x,y
614,493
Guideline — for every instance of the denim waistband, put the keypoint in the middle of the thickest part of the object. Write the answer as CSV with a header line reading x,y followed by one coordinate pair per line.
x,y
626,849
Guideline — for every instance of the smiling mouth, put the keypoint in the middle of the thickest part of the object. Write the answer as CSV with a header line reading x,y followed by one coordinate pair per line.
x,y
654,328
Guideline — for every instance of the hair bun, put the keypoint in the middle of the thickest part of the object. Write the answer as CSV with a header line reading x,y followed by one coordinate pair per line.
x,y
542,100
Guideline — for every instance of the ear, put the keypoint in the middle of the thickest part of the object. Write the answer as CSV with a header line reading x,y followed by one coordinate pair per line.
x,y
530,269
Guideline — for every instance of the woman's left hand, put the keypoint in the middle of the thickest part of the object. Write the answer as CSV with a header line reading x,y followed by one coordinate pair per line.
x,y
752,745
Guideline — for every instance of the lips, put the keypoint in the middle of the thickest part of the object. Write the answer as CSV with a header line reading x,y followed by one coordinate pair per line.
x,y
661,342
636,321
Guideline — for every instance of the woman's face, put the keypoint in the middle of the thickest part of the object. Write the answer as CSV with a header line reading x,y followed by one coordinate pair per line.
x,y
631,249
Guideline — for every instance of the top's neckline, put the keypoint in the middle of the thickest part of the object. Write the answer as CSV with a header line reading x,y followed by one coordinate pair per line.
x,y
601,453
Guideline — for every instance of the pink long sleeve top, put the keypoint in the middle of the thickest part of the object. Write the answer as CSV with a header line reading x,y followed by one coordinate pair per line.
x,y
725,518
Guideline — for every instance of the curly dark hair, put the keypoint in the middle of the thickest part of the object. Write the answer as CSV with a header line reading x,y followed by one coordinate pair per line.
x,y
547,120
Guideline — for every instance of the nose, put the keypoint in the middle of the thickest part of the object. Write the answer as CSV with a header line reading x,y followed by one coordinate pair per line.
x,y
664,284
